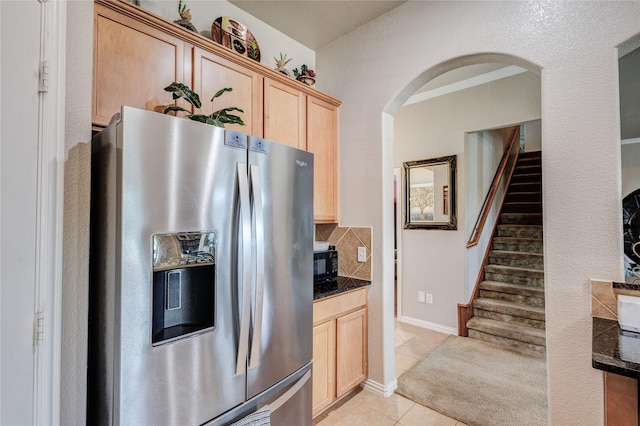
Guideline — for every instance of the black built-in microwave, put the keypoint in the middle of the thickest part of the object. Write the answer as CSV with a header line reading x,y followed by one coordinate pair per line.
x,y
325,265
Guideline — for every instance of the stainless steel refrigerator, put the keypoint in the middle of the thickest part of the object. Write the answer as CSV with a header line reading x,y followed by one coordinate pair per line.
x,y
200,299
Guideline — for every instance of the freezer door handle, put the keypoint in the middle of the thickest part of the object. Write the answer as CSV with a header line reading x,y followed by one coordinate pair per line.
x,y
245,258
258,217
288,394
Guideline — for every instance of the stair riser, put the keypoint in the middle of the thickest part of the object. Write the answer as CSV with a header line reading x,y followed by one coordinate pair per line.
x,y
520,262
528,163
515,310
532,232
526,178
523,197
525,187
520,219
509,319
522,247
526,300
526,168
515,279
527,348
520,290
522,207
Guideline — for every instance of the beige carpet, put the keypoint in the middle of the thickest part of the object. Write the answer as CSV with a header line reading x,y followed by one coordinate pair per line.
x,y
479,384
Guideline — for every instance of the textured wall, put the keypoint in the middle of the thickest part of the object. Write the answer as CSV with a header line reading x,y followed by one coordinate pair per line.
x,y
573,44
75,273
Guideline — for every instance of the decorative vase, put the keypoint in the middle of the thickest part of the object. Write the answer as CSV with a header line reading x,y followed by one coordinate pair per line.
x,y
309,81
186,24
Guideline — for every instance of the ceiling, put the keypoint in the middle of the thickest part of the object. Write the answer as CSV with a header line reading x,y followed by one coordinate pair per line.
x,y
316,23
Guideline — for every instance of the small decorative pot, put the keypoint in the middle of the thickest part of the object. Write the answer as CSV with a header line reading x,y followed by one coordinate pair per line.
x,y
309,81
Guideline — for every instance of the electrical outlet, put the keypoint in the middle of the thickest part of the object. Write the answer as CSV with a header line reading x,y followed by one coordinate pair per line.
x,y
421,296
362,254
429,298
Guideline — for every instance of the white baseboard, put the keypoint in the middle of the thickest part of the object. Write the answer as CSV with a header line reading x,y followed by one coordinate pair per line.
x,y
428,325
379,388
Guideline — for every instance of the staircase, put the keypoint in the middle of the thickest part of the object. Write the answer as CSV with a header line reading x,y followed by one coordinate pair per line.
x,y
509,309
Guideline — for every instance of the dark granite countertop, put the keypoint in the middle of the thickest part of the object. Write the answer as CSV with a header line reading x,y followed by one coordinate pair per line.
x,y
608,339
631,283
336,286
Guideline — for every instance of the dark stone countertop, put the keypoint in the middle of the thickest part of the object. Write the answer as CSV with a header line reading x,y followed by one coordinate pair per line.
x,y
336,286
607,340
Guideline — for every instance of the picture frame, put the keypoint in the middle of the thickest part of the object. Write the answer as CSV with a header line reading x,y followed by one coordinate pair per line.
x,y
430,193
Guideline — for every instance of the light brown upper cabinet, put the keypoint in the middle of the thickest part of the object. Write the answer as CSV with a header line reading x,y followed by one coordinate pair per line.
x,y
137,54
212,73
285,114
132,64
322,140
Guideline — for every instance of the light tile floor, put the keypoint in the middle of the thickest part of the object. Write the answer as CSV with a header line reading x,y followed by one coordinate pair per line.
x,y
364,408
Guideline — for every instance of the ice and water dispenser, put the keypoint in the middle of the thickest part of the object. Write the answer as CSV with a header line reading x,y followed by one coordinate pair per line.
x,y
183,285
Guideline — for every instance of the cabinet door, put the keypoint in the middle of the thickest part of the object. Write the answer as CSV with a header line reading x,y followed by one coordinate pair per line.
x,y
620,400
133,63
212,73
324,366
322,140
285,118
351,350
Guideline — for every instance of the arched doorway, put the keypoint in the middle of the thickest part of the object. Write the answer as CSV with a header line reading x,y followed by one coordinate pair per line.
x,y
472,94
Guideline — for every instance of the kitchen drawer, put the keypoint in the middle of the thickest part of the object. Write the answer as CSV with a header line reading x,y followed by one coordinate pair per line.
x,y
339,305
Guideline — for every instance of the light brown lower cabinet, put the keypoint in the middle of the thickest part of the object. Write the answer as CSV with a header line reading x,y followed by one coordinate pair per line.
x,y
621,400
339,346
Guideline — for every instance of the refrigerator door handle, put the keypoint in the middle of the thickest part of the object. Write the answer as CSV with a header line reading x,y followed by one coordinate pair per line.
x,y
258,209
245,258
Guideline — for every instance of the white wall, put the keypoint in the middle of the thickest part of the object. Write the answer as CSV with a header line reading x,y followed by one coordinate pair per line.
x,y
436,128
270,41
483,151
532,133
630,168
18,189
574,44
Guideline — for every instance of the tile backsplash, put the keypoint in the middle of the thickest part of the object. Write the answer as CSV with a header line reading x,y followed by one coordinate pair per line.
x,y
604,297
347,240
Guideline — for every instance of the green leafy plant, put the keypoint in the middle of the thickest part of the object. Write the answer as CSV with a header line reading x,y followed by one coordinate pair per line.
x,y
217,118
